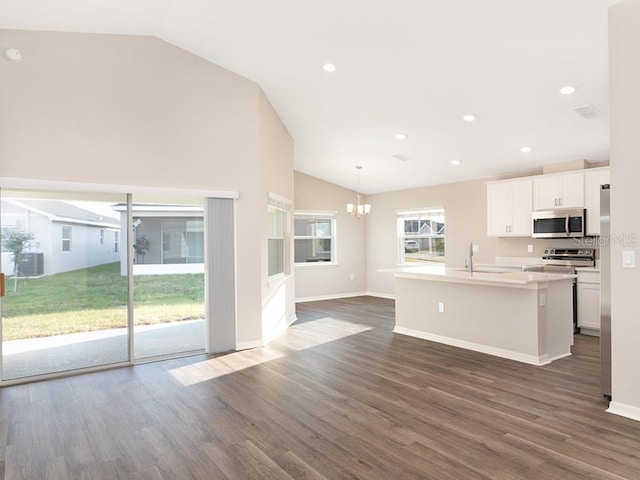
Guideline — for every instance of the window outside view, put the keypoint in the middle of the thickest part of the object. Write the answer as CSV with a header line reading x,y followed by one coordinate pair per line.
x,y
421,236
66,280
314,238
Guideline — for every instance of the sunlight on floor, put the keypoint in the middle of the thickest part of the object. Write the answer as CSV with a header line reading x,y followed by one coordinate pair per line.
x,y
324,330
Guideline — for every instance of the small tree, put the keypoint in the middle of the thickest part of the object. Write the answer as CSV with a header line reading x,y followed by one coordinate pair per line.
x,y
141,246
17,241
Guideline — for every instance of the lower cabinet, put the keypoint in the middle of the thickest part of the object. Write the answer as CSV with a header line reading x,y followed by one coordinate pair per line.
x,y
589,302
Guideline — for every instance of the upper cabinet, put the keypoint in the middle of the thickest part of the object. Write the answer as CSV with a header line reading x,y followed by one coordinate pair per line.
x,y
562,190
593,179
509,208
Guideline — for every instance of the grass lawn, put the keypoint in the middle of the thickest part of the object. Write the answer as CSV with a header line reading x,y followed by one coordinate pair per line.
x,y
95,299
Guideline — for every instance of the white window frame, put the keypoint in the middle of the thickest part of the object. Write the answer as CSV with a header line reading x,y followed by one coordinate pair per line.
x,y
281,231
419,214
318,215
66,228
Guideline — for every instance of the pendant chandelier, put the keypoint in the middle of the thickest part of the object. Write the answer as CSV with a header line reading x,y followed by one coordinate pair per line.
x,y
358,209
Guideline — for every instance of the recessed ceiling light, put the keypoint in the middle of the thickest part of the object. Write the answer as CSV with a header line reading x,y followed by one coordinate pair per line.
x,y
567,90
468,117
329,67
525,149
455,162
401,136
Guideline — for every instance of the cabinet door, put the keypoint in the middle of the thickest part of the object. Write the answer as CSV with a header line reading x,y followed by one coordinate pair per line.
x,y
545,193
592,182
589,305
521,202
571,190
497,209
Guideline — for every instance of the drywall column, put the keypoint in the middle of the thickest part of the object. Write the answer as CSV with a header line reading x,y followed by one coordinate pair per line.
x,y
624,60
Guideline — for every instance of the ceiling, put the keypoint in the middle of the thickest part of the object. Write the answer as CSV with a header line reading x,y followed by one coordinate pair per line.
x,y
402,66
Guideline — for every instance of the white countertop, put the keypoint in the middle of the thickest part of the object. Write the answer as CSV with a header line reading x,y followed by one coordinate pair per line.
x,y
486,276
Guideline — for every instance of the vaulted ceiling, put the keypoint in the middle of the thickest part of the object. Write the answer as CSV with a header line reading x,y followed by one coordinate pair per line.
x,y
406,66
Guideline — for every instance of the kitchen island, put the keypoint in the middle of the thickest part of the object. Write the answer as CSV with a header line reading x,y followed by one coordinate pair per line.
x,y
522,316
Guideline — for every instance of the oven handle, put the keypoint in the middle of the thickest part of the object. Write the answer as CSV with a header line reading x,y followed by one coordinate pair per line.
x,y
566,224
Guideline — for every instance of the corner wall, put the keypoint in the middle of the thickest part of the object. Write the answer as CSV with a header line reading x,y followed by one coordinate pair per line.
x,y
624,53
329,281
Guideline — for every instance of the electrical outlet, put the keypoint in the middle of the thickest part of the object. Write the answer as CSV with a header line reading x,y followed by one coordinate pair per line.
x,y
530,248
441,307
476,248
352,276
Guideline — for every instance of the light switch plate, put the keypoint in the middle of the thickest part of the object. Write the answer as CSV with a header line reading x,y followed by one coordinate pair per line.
x,y
476,248
628,259
530,248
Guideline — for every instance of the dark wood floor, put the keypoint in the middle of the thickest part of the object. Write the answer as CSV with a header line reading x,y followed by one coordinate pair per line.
x,y
338,397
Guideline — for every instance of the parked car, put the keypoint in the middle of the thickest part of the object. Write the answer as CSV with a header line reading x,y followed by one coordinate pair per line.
x,y
411,246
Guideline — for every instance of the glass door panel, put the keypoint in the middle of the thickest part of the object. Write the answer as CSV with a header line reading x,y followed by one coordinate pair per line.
x,y
168,275
65,306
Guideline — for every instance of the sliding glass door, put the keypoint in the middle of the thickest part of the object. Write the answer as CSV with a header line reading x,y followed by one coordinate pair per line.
x,y
65,303
95,279
168,275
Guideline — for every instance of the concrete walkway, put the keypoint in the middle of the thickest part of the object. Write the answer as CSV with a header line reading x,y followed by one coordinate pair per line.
x,y
24,358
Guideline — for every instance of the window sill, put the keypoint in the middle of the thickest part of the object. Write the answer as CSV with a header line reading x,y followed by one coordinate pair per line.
x,y
313,265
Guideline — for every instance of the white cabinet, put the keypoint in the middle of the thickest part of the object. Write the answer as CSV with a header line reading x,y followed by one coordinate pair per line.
x,y
589,302
509,208
592,180
563,190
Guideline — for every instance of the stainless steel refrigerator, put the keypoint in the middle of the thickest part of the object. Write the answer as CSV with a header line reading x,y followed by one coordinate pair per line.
x,y
605,292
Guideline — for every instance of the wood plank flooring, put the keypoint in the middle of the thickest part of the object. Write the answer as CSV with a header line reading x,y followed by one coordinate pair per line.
x,y
339,396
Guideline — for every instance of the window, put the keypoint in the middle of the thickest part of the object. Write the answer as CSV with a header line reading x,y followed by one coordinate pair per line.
x,y
115,242
183,241
276,240
66,239
421,235
314,237
101,237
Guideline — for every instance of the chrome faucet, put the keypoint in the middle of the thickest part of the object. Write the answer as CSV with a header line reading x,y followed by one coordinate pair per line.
x,y
470,259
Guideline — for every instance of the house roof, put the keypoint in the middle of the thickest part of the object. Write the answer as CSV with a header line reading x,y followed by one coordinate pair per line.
x,y
60,211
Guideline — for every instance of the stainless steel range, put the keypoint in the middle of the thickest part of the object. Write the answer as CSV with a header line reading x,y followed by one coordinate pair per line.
x,y
566,260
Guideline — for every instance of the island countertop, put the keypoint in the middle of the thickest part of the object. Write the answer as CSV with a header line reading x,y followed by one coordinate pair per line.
x,y
482,276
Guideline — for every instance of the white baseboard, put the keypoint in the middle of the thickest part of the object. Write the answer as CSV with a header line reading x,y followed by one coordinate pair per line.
x,y
476,347
330,297
381,295
264,342
248,345
624,410
345,295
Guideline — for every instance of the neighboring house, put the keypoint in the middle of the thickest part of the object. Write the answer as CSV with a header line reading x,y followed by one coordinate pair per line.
x,y
167,238
65,237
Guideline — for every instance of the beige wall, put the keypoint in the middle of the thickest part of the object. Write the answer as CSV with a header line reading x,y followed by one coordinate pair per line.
x,y
321,281
624,38
127,110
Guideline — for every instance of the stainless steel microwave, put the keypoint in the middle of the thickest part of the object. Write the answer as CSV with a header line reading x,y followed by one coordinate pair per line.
x,y
560,223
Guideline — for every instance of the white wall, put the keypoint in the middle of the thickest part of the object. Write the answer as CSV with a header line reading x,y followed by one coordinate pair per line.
x,y
327,281
624,44
125,110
